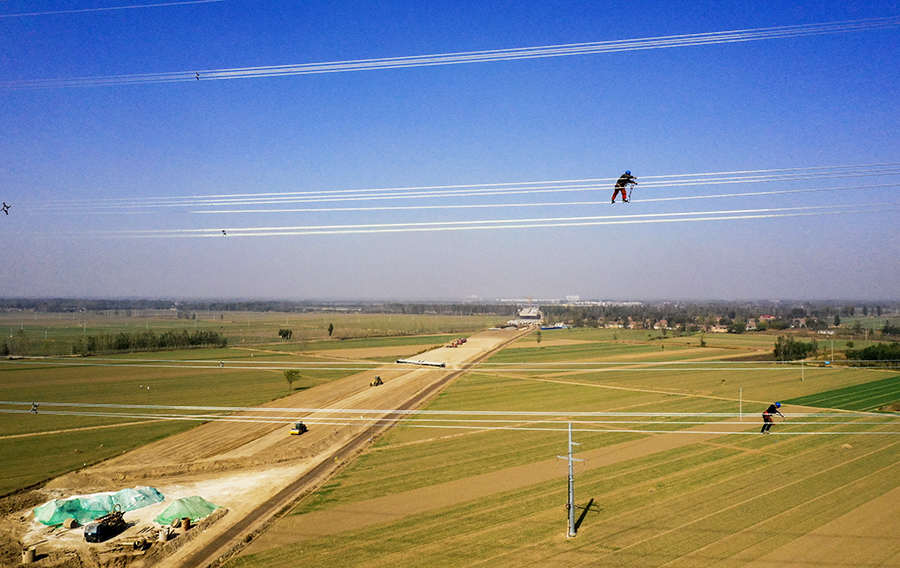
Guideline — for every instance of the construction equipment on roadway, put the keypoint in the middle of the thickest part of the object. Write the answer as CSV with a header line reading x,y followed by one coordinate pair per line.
x,y
376,382
299,428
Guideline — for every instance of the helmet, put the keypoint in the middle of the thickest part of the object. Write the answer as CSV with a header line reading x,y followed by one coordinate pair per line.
x,y
777,405
628,172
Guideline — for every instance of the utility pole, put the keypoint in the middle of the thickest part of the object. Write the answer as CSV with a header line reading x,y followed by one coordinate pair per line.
x,y
571,504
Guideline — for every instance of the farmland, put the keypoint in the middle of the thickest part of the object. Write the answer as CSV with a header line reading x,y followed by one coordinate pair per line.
x,y
675,472
462,493
36,448
36,333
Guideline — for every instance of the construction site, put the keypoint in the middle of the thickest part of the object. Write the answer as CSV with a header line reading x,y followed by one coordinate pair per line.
x,y
247,471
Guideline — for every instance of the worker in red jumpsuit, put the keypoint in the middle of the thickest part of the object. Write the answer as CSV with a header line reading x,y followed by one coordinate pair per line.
x,y
767,417
622,185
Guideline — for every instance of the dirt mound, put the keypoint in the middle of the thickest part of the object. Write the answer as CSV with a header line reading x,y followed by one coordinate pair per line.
x,y
20,501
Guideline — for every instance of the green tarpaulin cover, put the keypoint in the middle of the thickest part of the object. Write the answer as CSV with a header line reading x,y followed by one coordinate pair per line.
x,y
86,508
195,507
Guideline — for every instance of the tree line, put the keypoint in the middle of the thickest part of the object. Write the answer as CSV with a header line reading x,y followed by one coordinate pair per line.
x,y
789,349
885,352
147,341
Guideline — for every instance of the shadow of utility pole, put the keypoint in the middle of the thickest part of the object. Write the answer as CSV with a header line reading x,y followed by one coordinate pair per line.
x,y
590,506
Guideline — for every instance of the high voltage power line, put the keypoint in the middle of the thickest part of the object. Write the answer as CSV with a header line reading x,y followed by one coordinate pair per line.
x,y
407,412
107,9
505,224
425,198
534,421
476,190
661,42
509,367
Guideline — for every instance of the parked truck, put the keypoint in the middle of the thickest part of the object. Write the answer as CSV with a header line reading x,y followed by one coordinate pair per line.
x,y
105,527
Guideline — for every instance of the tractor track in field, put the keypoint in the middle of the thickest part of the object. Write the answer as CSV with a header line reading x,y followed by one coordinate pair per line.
x,y
70,430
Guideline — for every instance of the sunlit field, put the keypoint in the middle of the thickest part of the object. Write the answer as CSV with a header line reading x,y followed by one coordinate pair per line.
x,y
247,372
485,485
56,334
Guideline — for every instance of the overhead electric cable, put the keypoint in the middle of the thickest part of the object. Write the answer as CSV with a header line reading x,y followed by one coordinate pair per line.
x,y
505,224
130,7
406,412
466,190
631,367
556,366
536,203
685,40
482,425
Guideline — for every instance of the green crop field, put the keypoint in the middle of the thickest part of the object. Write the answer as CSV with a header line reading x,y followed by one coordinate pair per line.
x,y
725,500
36,333
864,397
58,443
34,448
486,486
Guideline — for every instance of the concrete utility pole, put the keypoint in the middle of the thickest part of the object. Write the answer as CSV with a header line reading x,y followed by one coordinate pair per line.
x,y
571,504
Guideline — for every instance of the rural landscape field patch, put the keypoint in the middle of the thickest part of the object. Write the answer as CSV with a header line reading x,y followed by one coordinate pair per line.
x,y
724,500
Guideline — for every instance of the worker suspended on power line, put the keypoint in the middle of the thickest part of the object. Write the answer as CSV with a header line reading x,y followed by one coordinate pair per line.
x,y
622,185
767,417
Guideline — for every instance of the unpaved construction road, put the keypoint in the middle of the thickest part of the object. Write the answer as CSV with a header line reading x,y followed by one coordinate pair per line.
x,y
255,470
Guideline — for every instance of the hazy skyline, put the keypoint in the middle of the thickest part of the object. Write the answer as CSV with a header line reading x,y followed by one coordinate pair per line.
x,y
486,179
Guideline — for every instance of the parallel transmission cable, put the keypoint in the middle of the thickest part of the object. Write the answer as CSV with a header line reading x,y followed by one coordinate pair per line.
x,y
709,38
468,190
129,7
404,419
423,412
504,224
541,204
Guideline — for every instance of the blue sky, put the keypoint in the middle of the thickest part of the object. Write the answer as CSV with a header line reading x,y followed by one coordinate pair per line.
x,y
89,172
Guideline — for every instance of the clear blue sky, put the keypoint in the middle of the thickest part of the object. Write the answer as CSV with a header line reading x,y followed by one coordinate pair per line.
x,y
86,169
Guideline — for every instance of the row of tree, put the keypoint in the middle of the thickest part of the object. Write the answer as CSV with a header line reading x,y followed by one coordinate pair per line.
x,y
186,308
877,352
889,329
147,341
789,349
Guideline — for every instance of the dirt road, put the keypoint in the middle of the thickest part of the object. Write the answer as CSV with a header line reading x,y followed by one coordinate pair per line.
x,y
215,454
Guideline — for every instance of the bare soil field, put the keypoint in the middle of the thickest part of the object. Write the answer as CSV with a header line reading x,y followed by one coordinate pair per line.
x,y
239,465
369,352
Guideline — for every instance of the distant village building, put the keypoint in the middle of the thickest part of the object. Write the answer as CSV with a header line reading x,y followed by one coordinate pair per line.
x,y
530,313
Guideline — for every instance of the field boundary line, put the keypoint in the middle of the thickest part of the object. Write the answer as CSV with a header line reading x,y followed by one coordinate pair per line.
x,y
740,449
635,389
784,512
66,431
744,502
653,505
